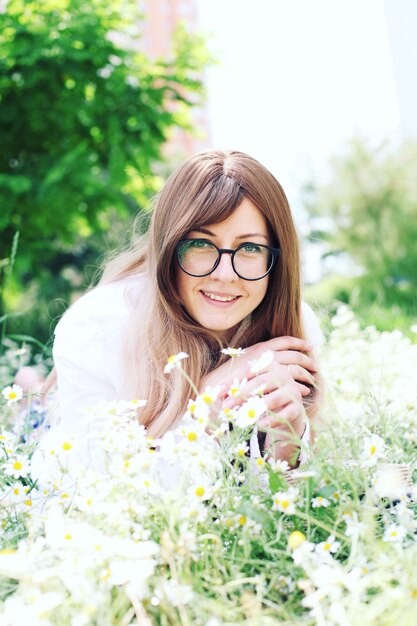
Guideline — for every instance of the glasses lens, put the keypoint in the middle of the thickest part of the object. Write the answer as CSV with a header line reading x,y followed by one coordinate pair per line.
x,y
197,256
253,261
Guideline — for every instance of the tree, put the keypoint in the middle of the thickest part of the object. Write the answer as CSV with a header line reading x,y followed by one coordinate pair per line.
x,y
370,207
83,117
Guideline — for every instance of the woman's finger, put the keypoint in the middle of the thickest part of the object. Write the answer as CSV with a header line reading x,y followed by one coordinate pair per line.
x,y
285,343
287,414
301,374
294,357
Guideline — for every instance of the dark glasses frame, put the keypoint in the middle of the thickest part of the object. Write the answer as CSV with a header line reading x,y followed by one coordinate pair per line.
x,y
273,250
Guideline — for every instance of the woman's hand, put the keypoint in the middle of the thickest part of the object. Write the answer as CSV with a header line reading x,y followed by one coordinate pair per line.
x,y
282,381
289,351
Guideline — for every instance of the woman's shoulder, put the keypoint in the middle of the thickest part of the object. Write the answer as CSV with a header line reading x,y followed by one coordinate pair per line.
x,y
311,325
105,307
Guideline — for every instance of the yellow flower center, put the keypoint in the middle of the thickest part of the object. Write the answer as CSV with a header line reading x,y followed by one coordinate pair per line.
x,y
241,452
251,413
192,436
171,359
373,450
28,502
260,462
327,546
12,395
200,491
296,539
242,520
67,446
285,504
68,536
17,465
207,399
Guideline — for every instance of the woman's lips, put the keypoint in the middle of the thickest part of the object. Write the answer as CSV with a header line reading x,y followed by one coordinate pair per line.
x,y
219,298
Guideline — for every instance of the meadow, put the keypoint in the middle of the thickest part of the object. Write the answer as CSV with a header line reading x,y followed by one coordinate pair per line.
x,y
190,530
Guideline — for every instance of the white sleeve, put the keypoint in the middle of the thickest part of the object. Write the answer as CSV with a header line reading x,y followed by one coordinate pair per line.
x,y
89,354
84,374
311,326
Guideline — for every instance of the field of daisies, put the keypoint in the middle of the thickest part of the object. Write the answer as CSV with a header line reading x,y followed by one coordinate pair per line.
x,y
190,530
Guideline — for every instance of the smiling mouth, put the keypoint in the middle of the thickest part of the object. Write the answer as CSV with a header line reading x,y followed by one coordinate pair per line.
x,y
218,298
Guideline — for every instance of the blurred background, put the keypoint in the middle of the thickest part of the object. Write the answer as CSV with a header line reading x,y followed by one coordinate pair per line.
x,y
101,99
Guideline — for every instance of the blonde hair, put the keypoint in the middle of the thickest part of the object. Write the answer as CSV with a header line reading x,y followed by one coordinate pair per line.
x,y
205,190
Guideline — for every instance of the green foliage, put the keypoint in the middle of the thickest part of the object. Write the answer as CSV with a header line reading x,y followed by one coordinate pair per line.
x,y
83,117
370,208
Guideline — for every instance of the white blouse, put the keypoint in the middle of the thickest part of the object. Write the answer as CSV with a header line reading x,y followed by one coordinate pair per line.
x,y
89,345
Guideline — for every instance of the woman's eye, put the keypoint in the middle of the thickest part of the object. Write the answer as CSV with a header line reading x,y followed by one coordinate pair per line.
x,y
251,247
198,243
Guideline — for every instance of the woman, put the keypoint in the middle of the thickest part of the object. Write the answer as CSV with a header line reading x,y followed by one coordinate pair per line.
x,y
219,267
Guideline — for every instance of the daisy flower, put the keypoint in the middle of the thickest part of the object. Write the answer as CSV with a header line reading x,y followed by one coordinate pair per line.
x,y
320,501
279,466
233,351
394,533
373,449
284,501
236,387
327,547
241,449
250,411
262,363
17,467
174,361
12,394
210,394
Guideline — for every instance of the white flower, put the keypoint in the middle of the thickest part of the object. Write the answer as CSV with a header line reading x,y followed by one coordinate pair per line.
x,y
236,387
233,351
174,361
394,533
320,501
18,467
12,394
284,501
373,449
241,449
209,395
325,548
250,411
354,527
279,466
201,490
175,593
302,552
259,390
262,362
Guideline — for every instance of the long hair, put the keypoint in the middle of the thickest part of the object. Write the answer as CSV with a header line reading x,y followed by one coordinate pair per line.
x,y
205,190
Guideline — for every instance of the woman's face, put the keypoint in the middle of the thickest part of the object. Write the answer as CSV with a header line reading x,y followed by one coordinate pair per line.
x,y
204,298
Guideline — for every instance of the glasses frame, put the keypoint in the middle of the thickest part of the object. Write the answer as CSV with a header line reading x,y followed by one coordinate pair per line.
x,y
273,250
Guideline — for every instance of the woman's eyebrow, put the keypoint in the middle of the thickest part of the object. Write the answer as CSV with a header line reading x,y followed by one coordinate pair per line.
x,y
206,231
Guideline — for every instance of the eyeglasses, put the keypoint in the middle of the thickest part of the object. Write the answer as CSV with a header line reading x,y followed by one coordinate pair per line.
x,y
250,261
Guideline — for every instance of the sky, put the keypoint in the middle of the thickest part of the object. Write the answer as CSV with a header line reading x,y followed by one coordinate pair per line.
x,y
296,79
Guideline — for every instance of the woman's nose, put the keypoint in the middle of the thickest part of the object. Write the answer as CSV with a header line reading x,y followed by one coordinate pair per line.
x,y
224,270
